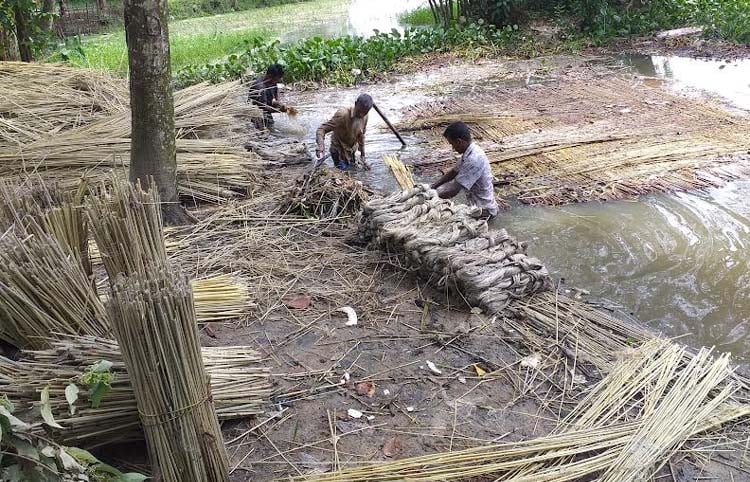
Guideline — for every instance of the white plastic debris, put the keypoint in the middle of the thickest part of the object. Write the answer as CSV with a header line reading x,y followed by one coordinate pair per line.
x,y
351,315
371,417
345,378
386,392
531,361
354,413
433,368
410,409
462,380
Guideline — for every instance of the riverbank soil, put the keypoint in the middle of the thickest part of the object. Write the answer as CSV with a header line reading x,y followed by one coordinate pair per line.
x,y
422,370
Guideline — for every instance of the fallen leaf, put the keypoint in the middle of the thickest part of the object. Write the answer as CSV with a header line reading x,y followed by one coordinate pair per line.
x,y
392,447
46,410
71,395
300,302
480,371
366,388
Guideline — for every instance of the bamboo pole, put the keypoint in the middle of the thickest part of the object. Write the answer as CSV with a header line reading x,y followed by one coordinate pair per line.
x,y
388,123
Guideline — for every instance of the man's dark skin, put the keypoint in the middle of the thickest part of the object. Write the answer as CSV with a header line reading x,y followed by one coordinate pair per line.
x,y
446,186
274,80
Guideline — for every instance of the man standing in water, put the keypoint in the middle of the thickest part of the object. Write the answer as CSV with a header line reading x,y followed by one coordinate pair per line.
x,y
472,172
265,94
348,126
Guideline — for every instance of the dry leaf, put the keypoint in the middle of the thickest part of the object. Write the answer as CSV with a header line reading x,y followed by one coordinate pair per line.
x,y
392,447
300,302
480,371
366,388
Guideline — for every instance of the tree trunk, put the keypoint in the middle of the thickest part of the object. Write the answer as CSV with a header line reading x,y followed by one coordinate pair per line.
x,y
152,145
8,45
22,34
63,7
48,7
101,5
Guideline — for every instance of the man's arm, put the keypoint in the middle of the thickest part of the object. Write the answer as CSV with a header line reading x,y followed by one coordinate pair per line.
x,y
447,177
320,135
449,190
361,142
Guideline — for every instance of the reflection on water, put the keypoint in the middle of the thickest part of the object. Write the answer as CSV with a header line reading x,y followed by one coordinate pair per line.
x,y
680,263
729,80
356,17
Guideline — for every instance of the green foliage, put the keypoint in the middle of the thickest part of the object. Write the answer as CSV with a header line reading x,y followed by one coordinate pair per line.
x,y
419,17
727,19
40,38
347,59
25,457
99,380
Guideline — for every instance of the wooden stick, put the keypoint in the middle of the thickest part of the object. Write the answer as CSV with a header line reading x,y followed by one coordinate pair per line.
x,y
388,123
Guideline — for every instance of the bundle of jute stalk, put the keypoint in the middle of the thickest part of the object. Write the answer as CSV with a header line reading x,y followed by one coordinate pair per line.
x,y
240,385
43,290
127,227
449,244
153,319
628,427
402,173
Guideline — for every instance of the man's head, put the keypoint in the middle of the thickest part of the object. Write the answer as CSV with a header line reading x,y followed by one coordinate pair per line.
x,y
458,136
363,105
275,73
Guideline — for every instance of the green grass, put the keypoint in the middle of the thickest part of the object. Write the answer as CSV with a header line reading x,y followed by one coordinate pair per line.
x,y
198,41
418,17
109,51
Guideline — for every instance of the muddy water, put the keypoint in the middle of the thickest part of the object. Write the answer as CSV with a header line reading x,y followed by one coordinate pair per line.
x,y
680,263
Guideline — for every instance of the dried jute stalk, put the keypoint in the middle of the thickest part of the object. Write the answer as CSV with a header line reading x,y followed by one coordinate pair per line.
x,y
153,318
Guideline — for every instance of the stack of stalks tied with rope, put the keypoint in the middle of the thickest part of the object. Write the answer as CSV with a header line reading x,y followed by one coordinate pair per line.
x,y
448,244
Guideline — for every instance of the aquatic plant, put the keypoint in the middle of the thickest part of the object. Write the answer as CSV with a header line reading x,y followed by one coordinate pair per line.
x,y
345,60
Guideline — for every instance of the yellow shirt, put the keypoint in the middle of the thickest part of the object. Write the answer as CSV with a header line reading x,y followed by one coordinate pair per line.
x,y
348,133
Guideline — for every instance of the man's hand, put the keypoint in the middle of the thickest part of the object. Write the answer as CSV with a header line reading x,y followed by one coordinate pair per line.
x,y
319,153
282,108
363,160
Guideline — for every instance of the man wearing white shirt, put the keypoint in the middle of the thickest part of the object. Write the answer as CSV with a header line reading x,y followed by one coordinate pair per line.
x,y
471,174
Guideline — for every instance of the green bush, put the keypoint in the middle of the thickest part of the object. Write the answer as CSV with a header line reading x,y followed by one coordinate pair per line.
x,y
347,59
419,17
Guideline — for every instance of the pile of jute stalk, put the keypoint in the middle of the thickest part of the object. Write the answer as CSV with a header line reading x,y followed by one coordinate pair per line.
x,y
450,245
153,318
90,137
626,430
240,384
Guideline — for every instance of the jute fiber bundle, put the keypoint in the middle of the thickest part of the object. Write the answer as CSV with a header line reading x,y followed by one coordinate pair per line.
x,y
447,243
625,430
153,318
240,384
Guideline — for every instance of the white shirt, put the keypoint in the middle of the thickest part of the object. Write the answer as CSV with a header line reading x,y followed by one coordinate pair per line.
x,y
475,176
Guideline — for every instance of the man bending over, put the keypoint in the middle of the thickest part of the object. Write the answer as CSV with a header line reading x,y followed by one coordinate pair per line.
x,y
472,172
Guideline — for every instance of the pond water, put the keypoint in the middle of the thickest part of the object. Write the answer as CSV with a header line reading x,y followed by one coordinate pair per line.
x,y
356,17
